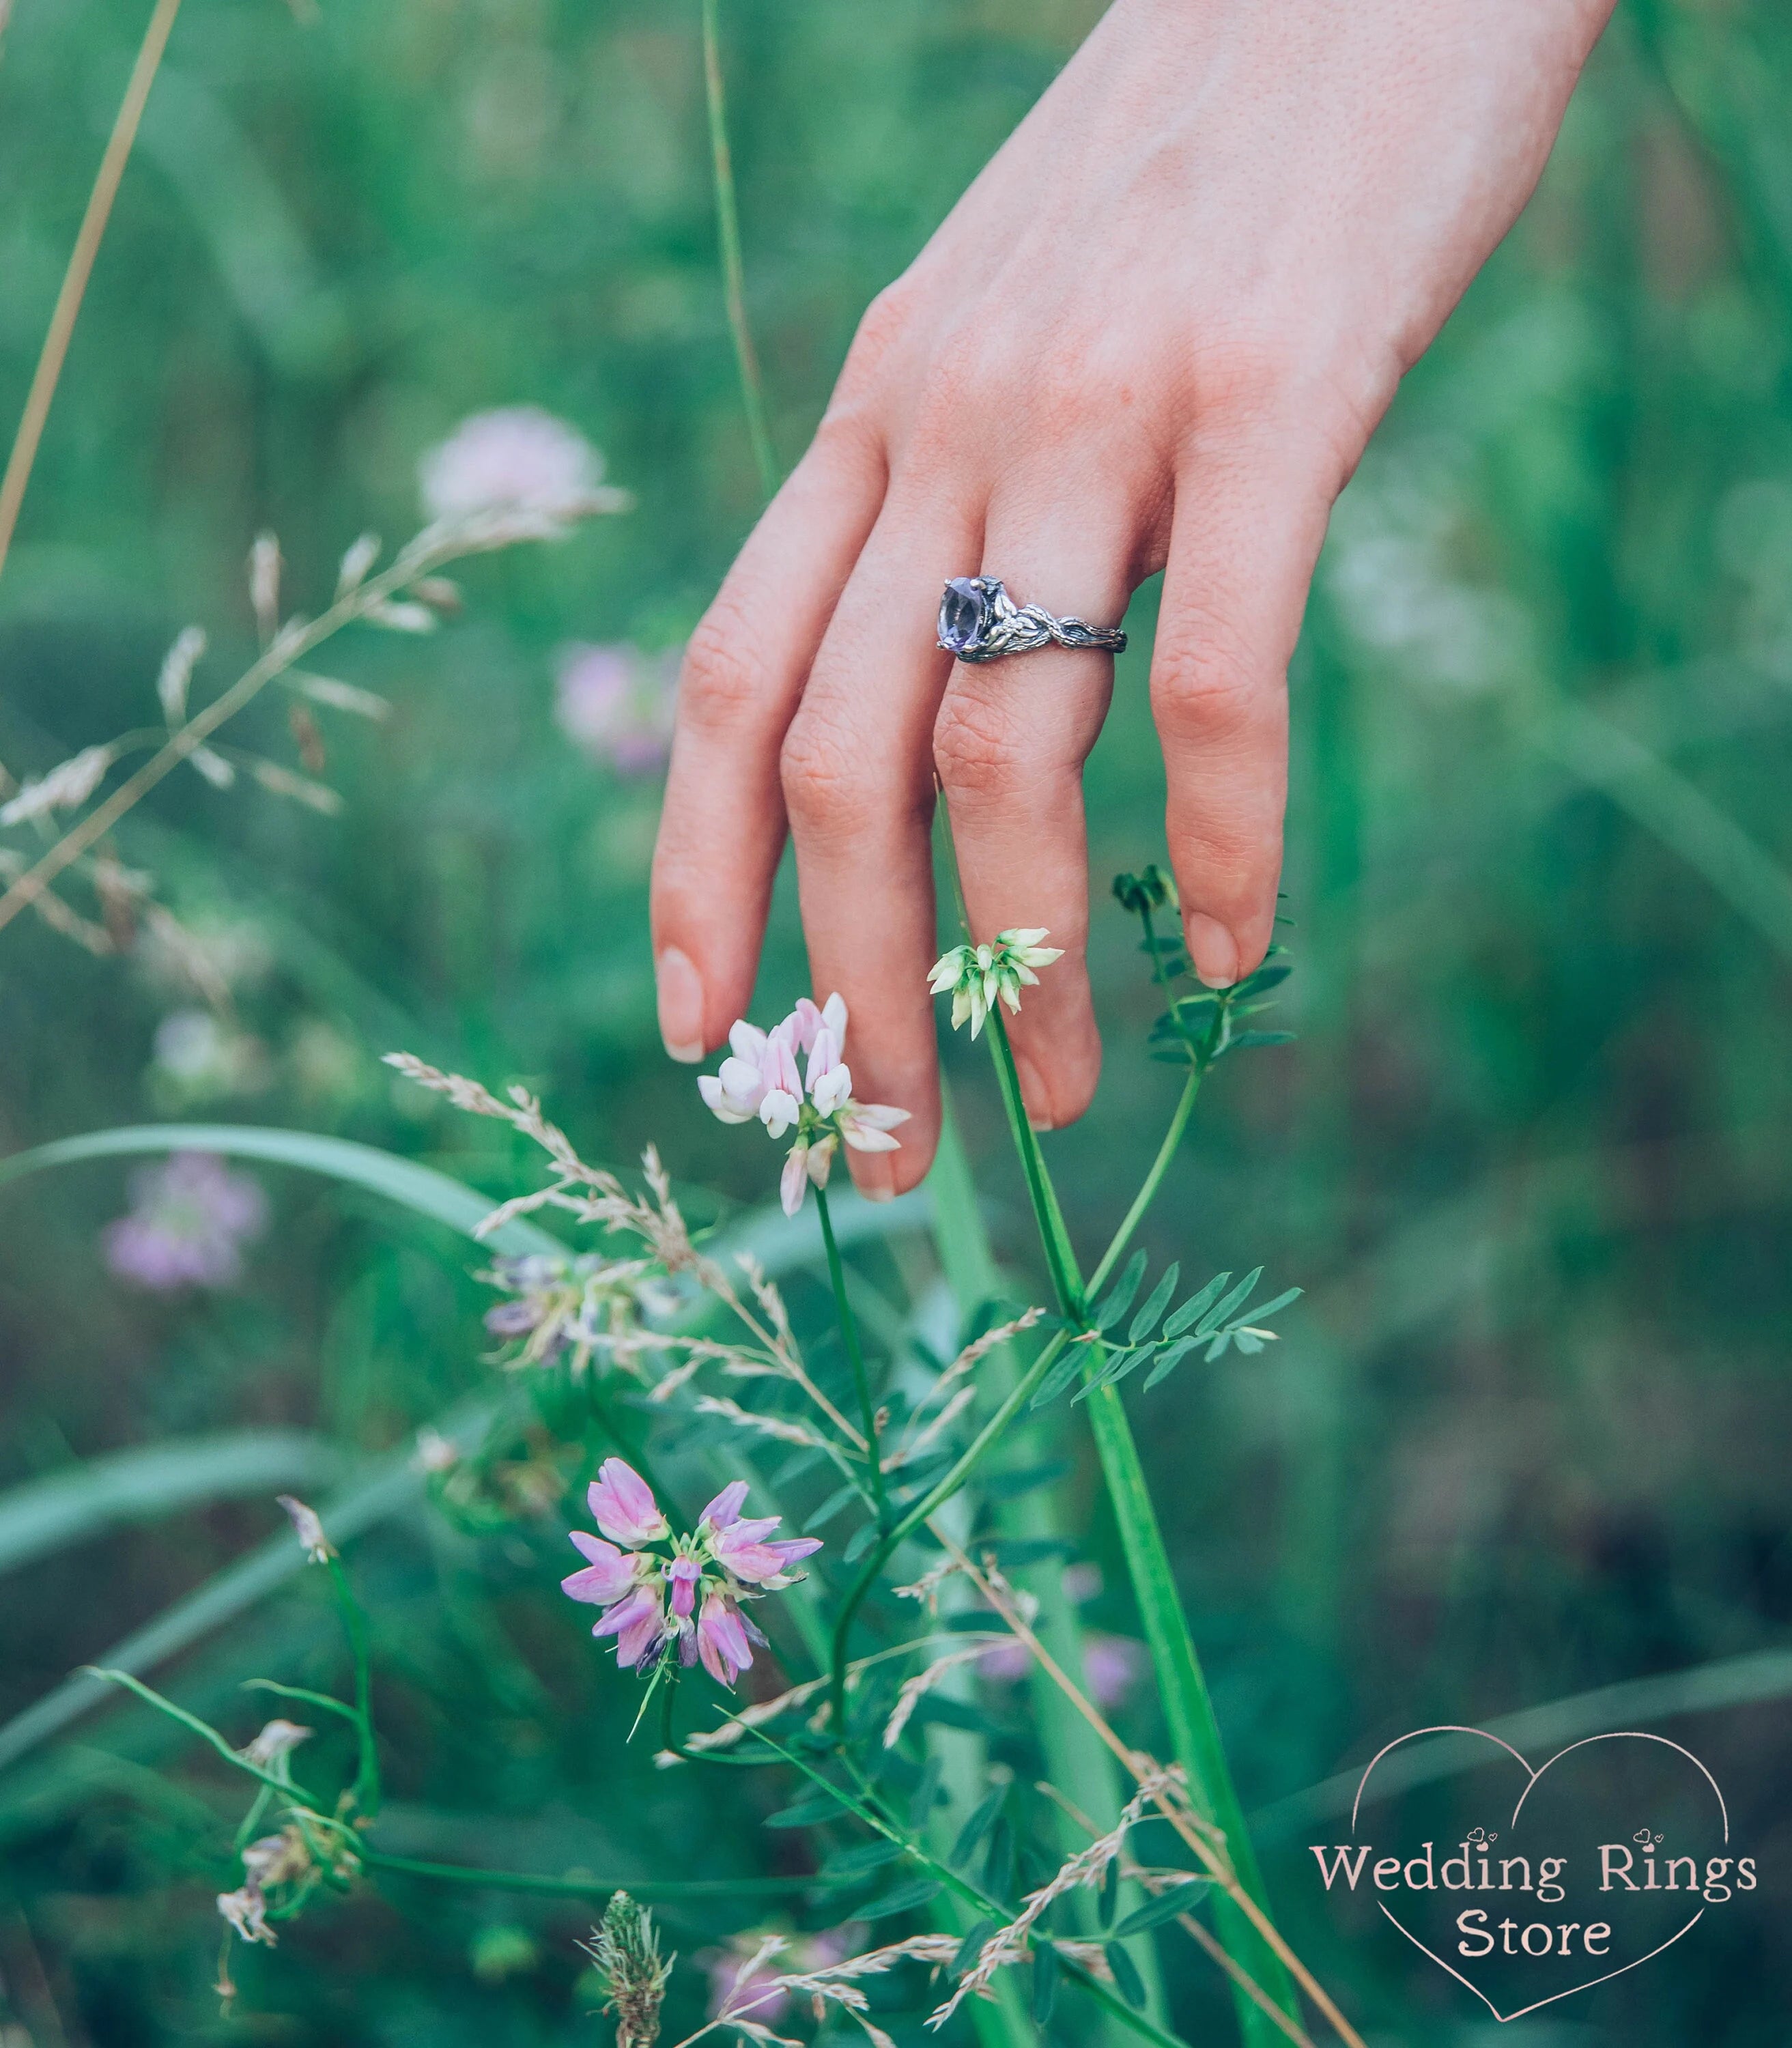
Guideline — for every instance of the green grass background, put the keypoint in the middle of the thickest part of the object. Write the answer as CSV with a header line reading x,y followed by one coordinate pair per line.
x,y
1527,1437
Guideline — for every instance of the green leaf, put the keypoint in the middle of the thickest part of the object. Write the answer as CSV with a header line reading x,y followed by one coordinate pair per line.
x,y
1130,1985
420,1189
808,1813
69,1506
1218,1316
1065,1370
857,1862
982,1818
1269,1307
858,1542
970,1947
926,1793
1159,1299
1171,1356
1110,1890
1243,1041
1024,1479
1117,1368
1045,1982
1265,978
999,1864
900,1899
1118,1298
832,1507
1163,1907
1196,1306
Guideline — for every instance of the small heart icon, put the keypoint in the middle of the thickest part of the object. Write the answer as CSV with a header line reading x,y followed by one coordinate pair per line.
x,y
1576,1894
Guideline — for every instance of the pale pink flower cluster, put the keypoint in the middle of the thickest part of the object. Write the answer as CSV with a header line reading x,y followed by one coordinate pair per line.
x,y
760,1078
686,1596
616,704
190,1219
516,459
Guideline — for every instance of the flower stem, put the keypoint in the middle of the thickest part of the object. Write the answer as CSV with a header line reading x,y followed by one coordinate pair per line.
x,y
727,231
1188,1708
355,1626
1054,1236
849,1336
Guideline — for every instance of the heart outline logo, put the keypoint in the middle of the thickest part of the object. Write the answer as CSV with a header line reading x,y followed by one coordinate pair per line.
x,y
1531,1780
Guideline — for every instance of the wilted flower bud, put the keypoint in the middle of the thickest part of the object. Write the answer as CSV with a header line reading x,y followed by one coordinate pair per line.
x,y
308,1529
274,1741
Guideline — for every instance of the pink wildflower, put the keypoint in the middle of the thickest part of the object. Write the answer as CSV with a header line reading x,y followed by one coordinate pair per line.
x,y
721,1639
609,1575
687,1593
759,1078
623,1506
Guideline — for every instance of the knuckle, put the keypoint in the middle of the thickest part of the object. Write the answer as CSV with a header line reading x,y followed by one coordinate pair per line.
x,y
973,747
1205,679
1242,379
884,325
826,787
723,683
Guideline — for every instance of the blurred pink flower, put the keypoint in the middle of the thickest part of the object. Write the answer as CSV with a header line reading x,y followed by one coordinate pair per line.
x,y
1112,1664
515,458
616,704
806,1953
190,1220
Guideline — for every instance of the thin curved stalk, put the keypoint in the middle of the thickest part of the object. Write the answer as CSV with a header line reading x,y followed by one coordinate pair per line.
x,y
87,239
734,276
855,1356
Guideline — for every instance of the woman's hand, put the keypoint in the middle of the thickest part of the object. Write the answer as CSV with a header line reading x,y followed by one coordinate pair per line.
x,y
1155,334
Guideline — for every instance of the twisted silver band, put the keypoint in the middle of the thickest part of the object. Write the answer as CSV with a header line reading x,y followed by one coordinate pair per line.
x,y
980,622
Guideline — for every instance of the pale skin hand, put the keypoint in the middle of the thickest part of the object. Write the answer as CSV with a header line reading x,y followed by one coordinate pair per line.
x,y
1155,334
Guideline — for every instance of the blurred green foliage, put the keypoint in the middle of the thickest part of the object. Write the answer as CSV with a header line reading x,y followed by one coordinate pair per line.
x,y
1527,1435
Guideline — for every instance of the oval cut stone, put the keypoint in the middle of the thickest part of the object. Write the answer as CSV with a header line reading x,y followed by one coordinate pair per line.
x,y
964,613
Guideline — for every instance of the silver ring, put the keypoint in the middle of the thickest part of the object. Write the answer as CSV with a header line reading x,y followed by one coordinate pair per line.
x,y
980,622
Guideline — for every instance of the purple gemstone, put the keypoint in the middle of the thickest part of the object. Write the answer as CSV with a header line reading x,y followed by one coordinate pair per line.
x,y
964,613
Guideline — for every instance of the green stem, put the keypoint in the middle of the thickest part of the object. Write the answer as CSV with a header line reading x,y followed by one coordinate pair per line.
x,y
727,229
849,1336
1189,1708
646,1889
1078,1762
355,1625
1153,1179
1061,1259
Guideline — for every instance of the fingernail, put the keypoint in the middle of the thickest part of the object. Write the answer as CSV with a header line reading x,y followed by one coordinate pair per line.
x,y
681,993
875,1178
1213,950
1033,1090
